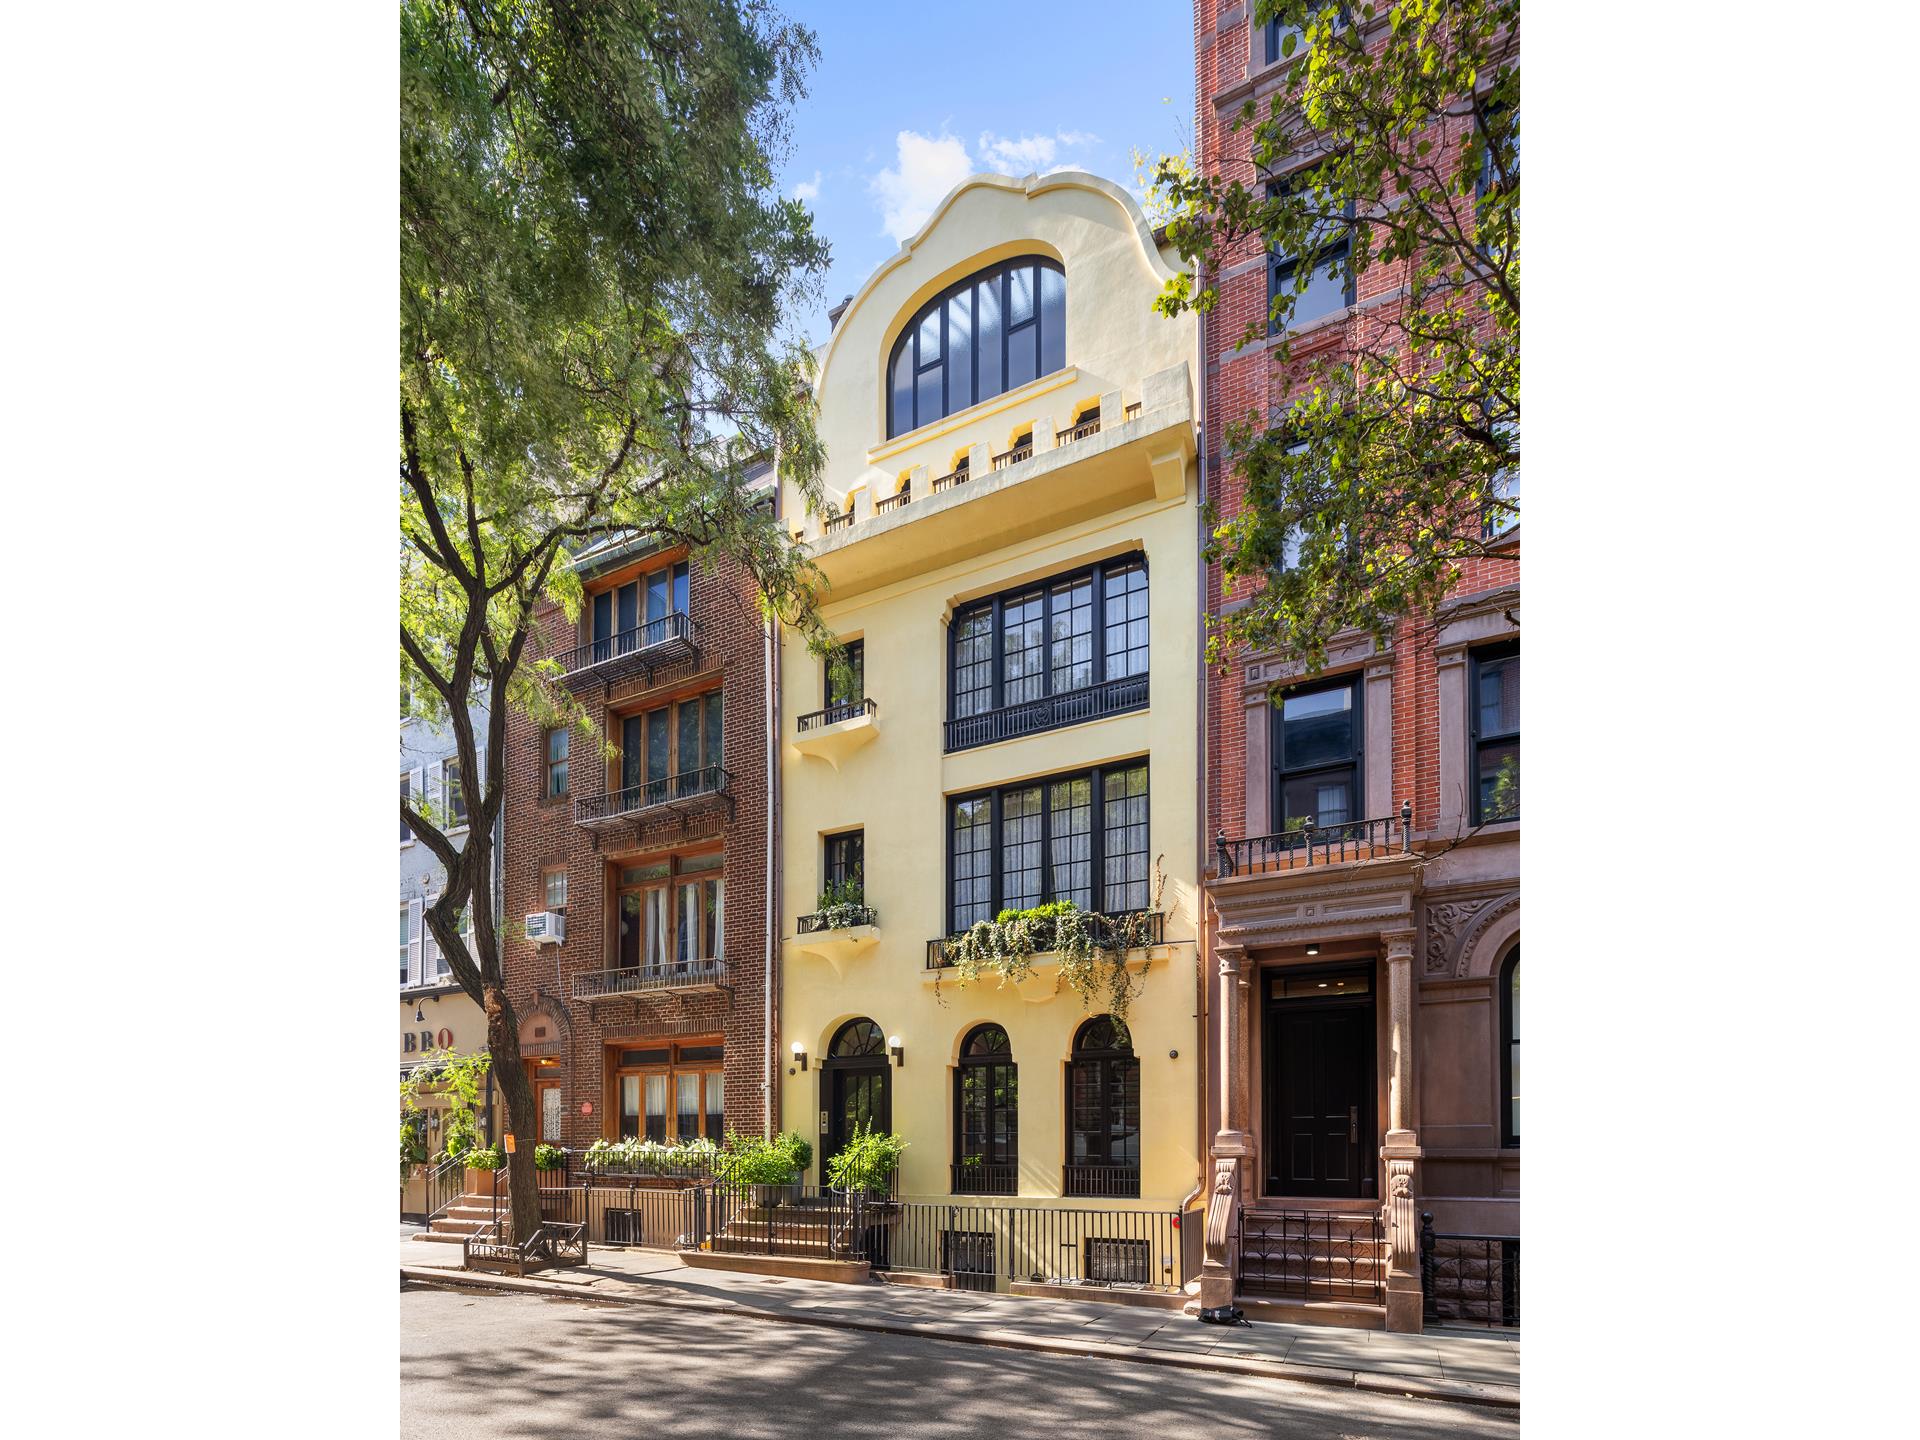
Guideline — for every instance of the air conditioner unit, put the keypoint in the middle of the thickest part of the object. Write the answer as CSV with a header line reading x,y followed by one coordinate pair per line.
x,y
548,927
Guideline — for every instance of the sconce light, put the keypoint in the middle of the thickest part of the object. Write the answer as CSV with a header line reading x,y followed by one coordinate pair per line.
x,y
419,1014
799,1054
893,1044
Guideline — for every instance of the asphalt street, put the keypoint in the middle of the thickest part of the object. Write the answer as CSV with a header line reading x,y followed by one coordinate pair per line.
x,y
514,1365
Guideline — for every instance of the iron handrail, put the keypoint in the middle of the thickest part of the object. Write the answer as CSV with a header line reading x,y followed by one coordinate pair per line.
x,y
638,979
1049,712
847,915
1343,842
834,714
668,629
651,794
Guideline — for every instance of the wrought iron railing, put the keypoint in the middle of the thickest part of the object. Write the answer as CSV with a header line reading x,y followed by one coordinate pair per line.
x,y
1312,1254
642,979
842,521
1343,843
1022,451
446,1183
1075,707
834,714
1143,927
841,917
666,638
1104,1181
900,497
1088,425
668,790
1469,1279
975,1176
960,474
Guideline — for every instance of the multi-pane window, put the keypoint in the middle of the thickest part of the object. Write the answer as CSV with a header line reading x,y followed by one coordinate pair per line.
x,y
847,680
1103,1110
454,795
678,739
1278,29
670,1092
558,743
994,331
1042,640
1510,1058
620,613
1330,287
1027,844
1317,740
1496,733
553,886
406,943
846,859
986,1141
671,912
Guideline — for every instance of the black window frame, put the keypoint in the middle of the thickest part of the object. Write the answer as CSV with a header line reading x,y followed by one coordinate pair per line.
x,y
604,605
969,1062
1282,266
1123,1058
1477,741
1509,1046
856,661
908,340
834,867
1275,28
1096,777
995,607
1278,774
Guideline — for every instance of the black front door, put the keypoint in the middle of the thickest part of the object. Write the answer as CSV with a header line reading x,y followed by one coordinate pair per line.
x,y
858,1095
1319,1083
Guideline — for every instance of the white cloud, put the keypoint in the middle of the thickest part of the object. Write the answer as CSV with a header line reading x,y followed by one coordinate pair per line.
x,y
1016,155
808,189
925,169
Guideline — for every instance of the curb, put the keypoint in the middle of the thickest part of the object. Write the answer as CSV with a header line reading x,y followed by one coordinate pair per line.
x,y
1497,1397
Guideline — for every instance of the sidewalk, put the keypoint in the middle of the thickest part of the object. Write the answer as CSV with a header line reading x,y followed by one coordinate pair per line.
x,y
1482,1369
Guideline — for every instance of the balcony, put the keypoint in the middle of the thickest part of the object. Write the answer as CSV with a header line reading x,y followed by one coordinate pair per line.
x,y
960,474
1042,981
836,937
641,650
686,976
1090,425
836,732
1023,451
687,790
887,504
1110,697
939,958
1114,1182
974,1176
1310,845
842,521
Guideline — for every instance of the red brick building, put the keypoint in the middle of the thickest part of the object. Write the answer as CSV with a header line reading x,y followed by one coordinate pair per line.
x,y
650,1017
1364,985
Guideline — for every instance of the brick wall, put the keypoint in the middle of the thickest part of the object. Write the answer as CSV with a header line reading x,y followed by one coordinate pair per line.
x,y
542,833
1228,54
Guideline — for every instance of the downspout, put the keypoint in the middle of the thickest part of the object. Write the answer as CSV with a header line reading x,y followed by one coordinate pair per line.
x,y
771,666
1203,949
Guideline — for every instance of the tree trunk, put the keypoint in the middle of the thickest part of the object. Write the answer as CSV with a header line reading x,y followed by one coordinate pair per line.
x,y
503,1044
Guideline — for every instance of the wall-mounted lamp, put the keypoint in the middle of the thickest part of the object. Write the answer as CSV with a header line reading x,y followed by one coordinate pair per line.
x,y
419,1014
893,1044
1313,949
799,1054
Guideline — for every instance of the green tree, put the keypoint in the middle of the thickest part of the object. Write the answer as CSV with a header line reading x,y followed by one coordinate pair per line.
x,y
1397,456
594,266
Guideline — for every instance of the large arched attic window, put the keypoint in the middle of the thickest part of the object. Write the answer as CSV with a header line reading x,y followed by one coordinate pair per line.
x,y
993,332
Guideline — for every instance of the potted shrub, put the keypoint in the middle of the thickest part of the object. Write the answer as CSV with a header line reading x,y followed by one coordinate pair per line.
x,y
481,1161
866,1165
765,1167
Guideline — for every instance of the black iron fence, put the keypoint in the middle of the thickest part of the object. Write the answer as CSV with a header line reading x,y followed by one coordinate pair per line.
x,y
1110,697
668,790
1310,844
1312,1254
667,637
841,917
834,714
1140,927
1469,1279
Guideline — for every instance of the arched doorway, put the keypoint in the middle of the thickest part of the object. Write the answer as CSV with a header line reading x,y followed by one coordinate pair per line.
x,y
858,1082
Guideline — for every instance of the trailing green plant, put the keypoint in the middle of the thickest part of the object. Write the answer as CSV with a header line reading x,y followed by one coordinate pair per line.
x,y
549,1157
867,1161
1092,948
844,903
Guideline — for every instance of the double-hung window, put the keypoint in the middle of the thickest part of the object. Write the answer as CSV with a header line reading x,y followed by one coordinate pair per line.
x,y
558,742
406,943
671,913
1071,648
553,888
1329,288
629,617
1496,733
1317,747
1077,837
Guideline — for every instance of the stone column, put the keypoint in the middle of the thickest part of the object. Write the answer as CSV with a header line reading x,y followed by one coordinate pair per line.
x,y
1400,1155
1232,1144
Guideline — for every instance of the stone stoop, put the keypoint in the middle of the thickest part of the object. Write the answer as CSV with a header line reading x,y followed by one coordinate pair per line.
x,y
468,1215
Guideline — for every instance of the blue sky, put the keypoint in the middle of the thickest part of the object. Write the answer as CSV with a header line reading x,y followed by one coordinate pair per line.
x,y
909,98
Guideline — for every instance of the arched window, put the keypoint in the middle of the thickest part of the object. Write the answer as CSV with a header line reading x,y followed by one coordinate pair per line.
x,y
993,332
986,1126
857,1039
1103,1111
1510,1048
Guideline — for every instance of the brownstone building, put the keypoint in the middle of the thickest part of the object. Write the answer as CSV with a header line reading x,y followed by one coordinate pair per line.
x,y
1363,944
642,879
